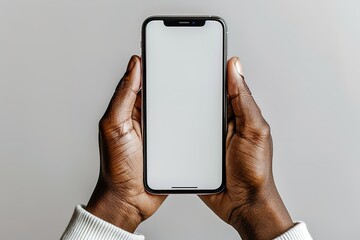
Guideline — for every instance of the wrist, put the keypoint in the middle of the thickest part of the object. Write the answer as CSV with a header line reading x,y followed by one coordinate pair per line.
x,y
264,216
110,207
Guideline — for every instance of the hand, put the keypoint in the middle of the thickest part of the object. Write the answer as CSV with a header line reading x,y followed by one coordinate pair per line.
x,y
250,202
119,196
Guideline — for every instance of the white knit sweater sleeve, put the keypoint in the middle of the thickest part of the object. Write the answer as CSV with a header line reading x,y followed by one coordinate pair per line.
x,y
85,226
298,232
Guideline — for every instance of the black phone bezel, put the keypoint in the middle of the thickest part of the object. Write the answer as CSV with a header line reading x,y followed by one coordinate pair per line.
x,y
182,21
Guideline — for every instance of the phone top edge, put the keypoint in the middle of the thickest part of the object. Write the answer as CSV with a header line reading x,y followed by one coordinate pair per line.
x,y
182,17
185,17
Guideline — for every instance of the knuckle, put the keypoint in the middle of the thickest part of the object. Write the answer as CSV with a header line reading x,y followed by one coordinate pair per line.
x,y
113,131
256,132
258,127
264,129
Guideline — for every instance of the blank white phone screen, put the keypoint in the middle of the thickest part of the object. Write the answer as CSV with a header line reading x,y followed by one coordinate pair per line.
x,y
184,102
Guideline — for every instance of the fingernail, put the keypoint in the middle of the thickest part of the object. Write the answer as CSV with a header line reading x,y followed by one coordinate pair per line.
x,y
240,71
239,68
131,64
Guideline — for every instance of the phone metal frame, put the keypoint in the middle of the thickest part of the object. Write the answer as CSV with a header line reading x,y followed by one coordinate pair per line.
x,y
183,20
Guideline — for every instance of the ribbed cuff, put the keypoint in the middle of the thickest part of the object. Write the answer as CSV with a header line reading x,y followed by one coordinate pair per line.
x,y
84,225
298,232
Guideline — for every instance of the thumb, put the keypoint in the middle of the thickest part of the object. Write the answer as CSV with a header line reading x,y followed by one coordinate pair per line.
x,y
122,102
246,111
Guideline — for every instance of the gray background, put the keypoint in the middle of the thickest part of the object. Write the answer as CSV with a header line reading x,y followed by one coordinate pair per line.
x,y
60,62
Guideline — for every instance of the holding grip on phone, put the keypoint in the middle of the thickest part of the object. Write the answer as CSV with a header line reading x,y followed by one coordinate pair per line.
x,y
250,201
119,196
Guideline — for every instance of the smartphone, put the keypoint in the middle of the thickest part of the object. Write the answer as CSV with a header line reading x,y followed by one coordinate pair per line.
x,y
184,104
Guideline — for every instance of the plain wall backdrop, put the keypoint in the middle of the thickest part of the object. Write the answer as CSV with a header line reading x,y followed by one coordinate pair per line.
x,y
61,60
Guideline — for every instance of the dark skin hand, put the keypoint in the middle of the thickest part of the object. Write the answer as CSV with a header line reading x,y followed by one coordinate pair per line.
x,y
250,202
119,196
